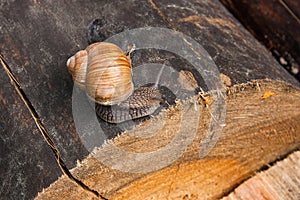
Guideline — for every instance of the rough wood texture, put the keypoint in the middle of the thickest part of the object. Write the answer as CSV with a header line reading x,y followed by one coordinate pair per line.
x,y
266,131
36,39
24,155
280,181
274,23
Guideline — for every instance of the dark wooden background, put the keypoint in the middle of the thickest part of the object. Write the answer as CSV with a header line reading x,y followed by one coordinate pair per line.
x,y
36,39
276,24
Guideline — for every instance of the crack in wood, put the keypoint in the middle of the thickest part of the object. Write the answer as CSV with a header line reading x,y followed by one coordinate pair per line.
x,y
165,18
43,129
289,10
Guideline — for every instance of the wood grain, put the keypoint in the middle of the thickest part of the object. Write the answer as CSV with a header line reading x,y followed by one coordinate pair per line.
x,y
280,181
36,39
276,24
267,130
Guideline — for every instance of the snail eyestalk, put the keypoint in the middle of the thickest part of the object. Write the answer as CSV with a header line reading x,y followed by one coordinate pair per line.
x,y
130,49
159,75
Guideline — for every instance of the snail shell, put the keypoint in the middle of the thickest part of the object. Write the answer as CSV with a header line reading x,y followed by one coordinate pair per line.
x,y
104,72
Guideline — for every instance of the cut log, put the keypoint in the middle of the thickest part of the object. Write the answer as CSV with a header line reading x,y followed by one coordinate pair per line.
x,y
36,41
266,131
280,181
275,24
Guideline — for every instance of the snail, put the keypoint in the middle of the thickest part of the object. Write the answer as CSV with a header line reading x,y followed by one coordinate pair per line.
x,y
104,72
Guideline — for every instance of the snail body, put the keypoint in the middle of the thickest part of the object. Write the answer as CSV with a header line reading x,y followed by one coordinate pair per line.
x,y
104,71
143,101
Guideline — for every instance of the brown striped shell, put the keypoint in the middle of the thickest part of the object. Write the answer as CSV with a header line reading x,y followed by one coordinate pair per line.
x,y
104,72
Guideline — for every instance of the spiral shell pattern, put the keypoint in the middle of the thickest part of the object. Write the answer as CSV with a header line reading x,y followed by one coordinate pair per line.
x,y
104,72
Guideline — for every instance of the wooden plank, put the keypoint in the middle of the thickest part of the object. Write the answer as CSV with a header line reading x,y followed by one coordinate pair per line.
x,y
280,181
